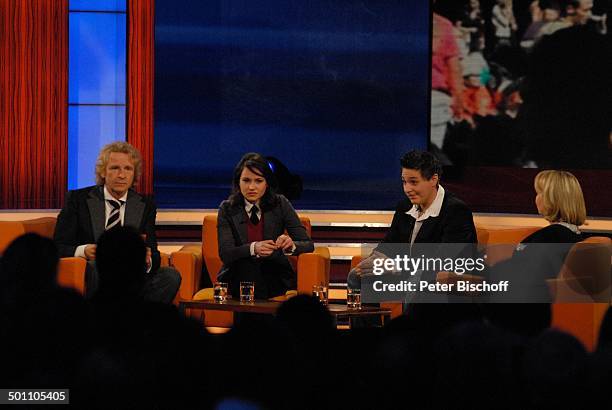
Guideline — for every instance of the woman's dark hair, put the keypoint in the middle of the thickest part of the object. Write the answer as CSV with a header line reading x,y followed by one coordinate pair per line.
x,y
423,161
255,163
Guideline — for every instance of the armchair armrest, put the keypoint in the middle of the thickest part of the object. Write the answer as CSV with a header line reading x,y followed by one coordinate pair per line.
x,y
283,298
71,273
313,269
164,259
188,261
577,290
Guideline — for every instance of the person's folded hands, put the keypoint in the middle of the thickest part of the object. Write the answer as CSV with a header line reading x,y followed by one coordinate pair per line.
x,y
265,248
285,243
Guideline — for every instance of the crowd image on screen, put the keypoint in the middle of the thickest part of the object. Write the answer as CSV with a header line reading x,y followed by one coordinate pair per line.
x,y
515,80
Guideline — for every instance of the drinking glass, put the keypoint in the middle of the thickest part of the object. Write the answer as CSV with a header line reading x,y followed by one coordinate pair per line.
x,y
247,292
220,292
320,292
353,298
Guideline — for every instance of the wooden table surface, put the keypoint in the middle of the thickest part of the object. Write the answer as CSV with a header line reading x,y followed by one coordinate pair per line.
x,y
270,307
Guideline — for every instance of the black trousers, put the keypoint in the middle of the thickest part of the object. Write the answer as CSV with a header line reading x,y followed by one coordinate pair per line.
x,y
272,276
160,286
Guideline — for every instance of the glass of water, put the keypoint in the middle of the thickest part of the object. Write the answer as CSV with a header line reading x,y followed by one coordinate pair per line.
x,y
320,292
247,292
220,292
353,298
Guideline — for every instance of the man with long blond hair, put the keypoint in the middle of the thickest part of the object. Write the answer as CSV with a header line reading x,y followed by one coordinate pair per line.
x,y
88,212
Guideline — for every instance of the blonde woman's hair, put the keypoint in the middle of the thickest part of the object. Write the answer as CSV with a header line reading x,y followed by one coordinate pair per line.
x,y
561,195
120,147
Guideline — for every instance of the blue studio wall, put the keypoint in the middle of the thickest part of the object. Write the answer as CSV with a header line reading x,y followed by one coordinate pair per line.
x,y
336,90
97,83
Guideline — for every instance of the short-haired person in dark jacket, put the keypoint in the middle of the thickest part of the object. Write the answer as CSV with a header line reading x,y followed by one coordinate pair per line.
x,y
429,214
88,212
251,228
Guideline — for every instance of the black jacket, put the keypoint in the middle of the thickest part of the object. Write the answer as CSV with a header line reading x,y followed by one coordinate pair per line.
x,y
233,240
81,220
537,258
453,225
553,233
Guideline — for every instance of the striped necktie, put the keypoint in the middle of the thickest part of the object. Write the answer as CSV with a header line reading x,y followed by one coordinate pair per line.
x,y
114,218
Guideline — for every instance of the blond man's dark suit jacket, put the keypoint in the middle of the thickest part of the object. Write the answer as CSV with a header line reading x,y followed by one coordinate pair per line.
x,y
82,220
235,246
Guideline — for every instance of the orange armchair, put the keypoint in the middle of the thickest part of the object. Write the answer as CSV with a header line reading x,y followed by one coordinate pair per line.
x,y
582,290
9,231
500,242
584,279
311,268
71,271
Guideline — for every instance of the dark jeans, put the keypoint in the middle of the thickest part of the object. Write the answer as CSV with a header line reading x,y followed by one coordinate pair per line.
x,y
272,277
160,286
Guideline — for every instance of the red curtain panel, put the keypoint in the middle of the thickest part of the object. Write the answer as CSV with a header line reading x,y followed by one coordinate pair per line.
x,y
140,75
33,109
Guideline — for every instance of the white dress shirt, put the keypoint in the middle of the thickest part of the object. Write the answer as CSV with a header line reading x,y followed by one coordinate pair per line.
x,y
108,208
247,207
433,210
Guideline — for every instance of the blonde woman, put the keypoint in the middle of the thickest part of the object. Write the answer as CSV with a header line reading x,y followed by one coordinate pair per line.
x,y
540,256
560,201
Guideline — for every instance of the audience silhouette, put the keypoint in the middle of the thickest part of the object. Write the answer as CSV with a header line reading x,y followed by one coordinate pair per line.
x,y
119,350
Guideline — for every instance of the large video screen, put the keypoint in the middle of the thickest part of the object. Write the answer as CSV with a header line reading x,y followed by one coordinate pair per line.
x,y
521,85
335,91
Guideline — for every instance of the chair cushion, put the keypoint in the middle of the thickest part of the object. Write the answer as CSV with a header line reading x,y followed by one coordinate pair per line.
x,y
204,294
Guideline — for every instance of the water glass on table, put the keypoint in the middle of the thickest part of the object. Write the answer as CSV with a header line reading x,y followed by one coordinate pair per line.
x,y
320,292
220,292
247,292
353,298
